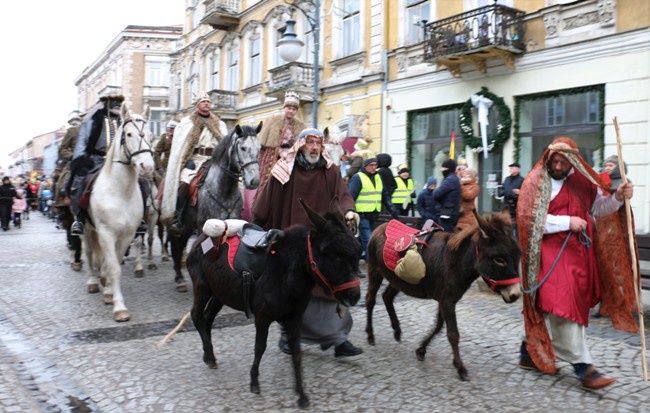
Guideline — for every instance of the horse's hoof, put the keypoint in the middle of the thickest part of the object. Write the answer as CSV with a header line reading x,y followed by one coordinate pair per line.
x,y
165,259
139,273
255,388
93,288
152,267
102,280
371,341
463,375
398,336
212,364
108,299
121,316
181,287
419,353
303,402
76,266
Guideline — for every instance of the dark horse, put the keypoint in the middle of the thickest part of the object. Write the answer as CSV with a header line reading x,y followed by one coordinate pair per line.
x,y
220,196
325,255
74,242
453,262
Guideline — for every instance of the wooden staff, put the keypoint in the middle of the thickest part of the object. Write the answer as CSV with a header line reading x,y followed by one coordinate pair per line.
x,y
630,233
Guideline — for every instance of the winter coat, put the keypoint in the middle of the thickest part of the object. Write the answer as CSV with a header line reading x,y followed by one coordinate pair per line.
x,y
469,193
448,197
428,207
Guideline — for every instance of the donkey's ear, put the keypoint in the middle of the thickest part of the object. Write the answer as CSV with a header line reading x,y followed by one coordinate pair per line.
x,y
335,208
258,129
326,134
238,130
482,223
317,219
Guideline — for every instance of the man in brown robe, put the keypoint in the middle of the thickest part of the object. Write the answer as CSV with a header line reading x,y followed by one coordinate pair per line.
x,y
306,172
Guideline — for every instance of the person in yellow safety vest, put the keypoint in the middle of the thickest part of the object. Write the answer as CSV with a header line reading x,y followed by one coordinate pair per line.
x,y
369,194
404,194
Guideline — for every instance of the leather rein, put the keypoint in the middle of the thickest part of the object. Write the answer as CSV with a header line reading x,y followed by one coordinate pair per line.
x,y
355,283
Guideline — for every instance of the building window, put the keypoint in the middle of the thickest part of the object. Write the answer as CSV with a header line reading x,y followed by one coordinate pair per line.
x,y
193,80
255,75
575,114
196,20
215,63
416,11
431,141
351,27
555,111
279,61
155,123
157,74
233,69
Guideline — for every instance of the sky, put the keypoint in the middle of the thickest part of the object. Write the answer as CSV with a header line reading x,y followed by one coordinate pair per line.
x,y
48,44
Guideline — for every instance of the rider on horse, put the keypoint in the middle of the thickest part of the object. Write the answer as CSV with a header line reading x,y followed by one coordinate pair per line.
x,y
96,133
162,150
194,139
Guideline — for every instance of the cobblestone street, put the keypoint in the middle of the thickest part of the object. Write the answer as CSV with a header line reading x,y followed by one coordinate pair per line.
x,y
60,350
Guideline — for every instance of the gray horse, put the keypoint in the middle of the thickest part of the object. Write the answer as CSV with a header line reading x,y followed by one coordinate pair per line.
x,y
220,195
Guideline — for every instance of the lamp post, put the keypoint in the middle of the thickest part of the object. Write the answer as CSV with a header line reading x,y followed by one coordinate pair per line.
x,y
290,48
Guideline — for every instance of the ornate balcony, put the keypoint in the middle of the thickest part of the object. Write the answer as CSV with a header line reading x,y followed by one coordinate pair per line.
x,y
296,76
223,99
475,36
221,14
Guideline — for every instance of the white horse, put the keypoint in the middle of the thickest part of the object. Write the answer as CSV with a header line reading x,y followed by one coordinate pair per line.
x,y
116,208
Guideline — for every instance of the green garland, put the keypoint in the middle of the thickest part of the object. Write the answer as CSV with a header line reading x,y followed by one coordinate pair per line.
x,y
503,128
520,100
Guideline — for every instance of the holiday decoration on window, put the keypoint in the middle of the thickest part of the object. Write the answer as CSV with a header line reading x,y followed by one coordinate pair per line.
x,y
483,100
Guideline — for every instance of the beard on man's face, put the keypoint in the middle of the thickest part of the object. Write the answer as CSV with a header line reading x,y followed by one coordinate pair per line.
x,y
557,175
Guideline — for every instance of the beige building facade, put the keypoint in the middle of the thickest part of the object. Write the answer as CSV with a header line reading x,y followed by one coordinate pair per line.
x,y
550,68
136,64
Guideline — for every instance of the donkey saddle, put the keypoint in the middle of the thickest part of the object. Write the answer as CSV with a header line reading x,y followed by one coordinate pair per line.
x,y
252,253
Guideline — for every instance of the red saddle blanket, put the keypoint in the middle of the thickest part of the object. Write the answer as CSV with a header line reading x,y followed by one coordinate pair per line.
x,y
398,235
84,200
233,244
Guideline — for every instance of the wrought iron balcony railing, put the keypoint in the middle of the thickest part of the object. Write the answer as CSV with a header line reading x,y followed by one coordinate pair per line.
x,y
494,26
223,99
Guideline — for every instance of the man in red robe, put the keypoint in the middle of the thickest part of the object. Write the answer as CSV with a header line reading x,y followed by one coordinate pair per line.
x,y
561,196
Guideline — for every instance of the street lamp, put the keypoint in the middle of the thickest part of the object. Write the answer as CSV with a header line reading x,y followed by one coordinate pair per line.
x,y
290,48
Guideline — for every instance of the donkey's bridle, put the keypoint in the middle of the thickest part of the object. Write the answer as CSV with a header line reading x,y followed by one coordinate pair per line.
x,y
356,283
127,152
495,283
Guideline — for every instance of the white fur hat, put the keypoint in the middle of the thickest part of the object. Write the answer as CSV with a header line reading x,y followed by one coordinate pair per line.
x,y
292,99
203,96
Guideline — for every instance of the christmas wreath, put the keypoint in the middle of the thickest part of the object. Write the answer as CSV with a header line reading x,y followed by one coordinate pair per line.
x,y
503,127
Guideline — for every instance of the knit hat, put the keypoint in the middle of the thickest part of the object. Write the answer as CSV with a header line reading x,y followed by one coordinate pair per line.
x,y
431,181
449,164
402,170
292,99
515,164
368,161
611,159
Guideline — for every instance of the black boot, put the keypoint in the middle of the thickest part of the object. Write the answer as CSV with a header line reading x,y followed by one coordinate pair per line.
x,y
77,227
181,204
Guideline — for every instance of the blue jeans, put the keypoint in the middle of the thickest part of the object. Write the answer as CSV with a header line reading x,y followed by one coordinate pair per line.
x,y
365,229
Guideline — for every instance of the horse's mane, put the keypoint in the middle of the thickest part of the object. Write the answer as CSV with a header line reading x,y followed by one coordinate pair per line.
x,y
222,148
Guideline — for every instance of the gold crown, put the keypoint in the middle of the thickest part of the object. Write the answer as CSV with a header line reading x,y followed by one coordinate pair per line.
x,y
291,98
